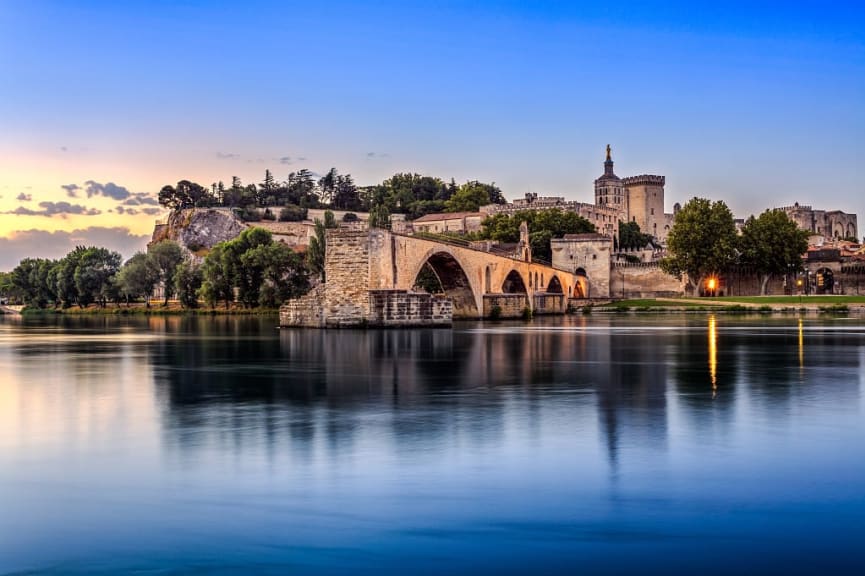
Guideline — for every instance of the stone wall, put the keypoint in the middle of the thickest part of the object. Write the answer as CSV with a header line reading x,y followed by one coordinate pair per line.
x,y
549,304
403,308
510,305
346,270
643,280
306,311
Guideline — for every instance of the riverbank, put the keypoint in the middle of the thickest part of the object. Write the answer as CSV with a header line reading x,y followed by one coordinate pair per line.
x,y
140,309
744,304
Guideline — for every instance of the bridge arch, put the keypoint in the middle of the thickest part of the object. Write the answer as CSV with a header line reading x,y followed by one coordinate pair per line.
x,y
514,284
454,280
555,286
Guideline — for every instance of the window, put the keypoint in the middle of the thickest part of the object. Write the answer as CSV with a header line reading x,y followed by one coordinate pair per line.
x,y
653,211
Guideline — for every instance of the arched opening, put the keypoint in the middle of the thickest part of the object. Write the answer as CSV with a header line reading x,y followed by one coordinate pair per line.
x,y
514,284
555,287
581,288
825,281
452,281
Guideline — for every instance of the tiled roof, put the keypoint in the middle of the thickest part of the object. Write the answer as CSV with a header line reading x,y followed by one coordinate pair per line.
x,y
448,216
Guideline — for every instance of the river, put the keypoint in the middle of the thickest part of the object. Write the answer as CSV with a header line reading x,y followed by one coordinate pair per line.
x,y
683,443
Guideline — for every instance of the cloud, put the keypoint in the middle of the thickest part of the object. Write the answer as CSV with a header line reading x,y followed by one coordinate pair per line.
x,y
43,244
109,190
71,190
24,197
376,155
141,199
64,149
226,155
50,209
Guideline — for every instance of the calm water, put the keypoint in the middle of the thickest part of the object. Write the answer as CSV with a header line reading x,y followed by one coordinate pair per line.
x,y
622,444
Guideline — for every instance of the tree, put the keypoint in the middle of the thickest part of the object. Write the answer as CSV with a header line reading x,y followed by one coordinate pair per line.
x,y
187,281
315,253
702,241
94,275
217,283
345,196
469,197
631,238
379,217
772,244
543,225
137,278
30,281
165,257
292,213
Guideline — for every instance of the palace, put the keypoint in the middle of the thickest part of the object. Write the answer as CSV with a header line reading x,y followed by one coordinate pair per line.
x,y
637,199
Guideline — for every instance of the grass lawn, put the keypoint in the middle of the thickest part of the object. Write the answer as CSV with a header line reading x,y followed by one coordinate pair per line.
x,y
650,303
791,300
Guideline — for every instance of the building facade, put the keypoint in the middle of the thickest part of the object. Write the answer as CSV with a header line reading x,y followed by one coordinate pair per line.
x,y
638,199
833,224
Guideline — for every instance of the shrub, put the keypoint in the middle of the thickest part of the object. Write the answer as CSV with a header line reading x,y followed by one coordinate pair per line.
x,y
587,310
495,312
268,215
292,213
350,217
526,313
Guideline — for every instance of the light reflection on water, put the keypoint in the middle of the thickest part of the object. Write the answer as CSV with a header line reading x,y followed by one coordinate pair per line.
x,y
598,444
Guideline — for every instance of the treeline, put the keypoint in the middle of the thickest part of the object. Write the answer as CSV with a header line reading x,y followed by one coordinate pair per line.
x,y
543,225
410,194
704,243
252,269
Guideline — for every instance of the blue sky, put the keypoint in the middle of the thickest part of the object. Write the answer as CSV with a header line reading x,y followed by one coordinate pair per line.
x,y
758,105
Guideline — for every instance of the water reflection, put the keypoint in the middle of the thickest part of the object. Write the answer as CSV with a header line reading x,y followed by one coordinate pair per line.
x,y
552,440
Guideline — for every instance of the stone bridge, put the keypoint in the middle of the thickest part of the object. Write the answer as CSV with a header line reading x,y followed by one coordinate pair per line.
x,y
371,276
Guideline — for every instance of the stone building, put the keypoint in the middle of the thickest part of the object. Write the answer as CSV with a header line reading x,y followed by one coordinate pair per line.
x,y
637,199
604,218
829,224
461,222
586,256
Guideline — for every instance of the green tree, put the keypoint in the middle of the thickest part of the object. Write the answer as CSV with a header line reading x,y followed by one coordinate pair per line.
x,y
631,237
165,257
345,196
94,275
772,244
379,217
315,253
217,282
702,241
543,226
30,280
470,196
187,281
137,278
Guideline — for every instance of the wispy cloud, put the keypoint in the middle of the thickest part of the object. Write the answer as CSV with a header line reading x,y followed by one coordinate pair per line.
x,y
377,155
287,160
227,155
24,197
43,244
51,209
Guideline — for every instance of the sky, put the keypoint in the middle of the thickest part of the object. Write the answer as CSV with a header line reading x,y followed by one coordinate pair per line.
x,y
103,103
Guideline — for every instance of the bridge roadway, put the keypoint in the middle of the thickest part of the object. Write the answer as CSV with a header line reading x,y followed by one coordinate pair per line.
x,y
469,276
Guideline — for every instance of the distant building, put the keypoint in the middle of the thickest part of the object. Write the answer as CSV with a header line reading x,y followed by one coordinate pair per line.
x,y
829,224
461,222
604,218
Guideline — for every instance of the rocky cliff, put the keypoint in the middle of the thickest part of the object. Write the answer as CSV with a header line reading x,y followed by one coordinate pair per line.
x,y
199,229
